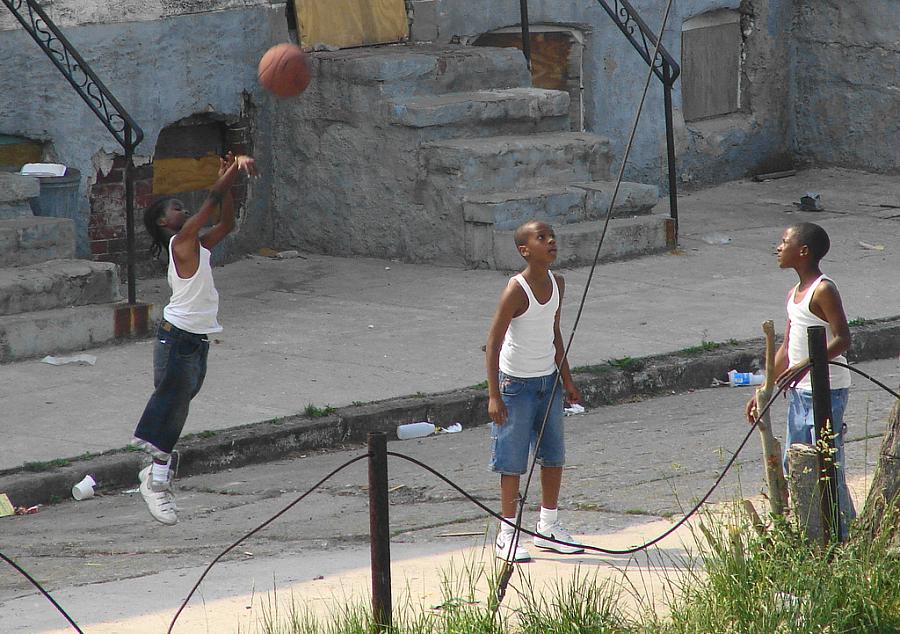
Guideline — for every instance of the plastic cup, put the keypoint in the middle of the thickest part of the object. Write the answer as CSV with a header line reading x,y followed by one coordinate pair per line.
x,y
84,489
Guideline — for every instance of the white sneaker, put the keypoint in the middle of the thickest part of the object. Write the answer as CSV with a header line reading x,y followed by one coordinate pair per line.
x,y
504,544
160,501
144,474
557,532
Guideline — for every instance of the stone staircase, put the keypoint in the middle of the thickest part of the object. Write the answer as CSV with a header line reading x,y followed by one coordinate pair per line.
x,y
50,302
450,148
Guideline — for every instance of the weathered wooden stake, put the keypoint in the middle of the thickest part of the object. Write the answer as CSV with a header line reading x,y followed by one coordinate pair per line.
x,y
885,489
806,490
772,456
379,531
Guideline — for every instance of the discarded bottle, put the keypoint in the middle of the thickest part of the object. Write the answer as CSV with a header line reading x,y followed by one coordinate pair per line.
x,y
739,379
415,430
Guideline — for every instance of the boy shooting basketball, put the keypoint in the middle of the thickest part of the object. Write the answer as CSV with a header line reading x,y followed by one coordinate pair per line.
x,y
182,345
523,355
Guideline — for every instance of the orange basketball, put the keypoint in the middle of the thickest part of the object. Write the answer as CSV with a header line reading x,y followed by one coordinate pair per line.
x,y
284,70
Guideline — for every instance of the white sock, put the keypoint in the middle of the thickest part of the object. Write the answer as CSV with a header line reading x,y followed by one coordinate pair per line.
x,y
548,516
159,472
506,528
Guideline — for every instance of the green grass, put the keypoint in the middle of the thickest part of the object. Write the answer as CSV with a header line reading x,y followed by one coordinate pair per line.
x,y
37,467
705,346
737,581
626,364
858,321
480,386
318,412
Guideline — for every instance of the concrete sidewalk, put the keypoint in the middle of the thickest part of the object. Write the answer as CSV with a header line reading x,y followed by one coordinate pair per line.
x,y
329,331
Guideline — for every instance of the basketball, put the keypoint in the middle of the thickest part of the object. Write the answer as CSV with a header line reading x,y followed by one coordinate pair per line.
x,y
284,70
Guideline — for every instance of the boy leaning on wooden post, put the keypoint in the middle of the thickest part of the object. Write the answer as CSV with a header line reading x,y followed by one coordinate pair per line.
x,y
814,301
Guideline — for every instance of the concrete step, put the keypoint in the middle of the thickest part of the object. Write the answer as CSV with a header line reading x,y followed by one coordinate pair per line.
x,y
421,68
32,239
51,332
567,204
507,163
577,242
483,112
15,192
56,284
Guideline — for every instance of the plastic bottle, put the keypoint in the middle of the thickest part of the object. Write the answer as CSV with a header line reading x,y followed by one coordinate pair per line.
x,y
740,379
415,430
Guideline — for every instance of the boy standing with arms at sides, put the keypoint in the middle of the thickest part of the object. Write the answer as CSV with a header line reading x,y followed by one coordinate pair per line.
x,y
182,345
814,301
523,355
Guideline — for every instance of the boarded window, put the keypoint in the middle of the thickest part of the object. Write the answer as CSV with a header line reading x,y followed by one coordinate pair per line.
x,y
711,65
555,60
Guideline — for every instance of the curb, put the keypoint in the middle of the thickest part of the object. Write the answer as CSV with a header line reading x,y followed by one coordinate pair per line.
x,y
603,384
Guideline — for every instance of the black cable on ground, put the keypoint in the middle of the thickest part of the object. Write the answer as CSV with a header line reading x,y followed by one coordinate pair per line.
x,y
256,530
44,592
507,573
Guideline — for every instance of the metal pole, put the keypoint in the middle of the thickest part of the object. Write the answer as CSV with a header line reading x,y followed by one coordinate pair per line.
x,y
824,438
379,530
526,35
670,147
129,212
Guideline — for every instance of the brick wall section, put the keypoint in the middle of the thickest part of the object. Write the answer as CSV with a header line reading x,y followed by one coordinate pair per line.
x,y
106,228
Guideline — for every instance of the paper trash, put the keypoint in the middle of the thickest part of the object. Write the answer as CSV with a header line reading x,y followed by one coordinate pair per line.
x,y
574,408
452,429
80,359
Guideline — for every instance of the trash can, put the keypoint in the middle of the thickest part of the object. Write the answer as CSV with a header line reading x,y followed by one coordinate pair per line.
x,y
59,197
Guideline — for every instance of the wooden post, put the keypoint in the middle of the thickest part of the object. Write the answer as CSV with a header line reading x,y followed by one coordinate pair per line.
x,y
379,531
772,456
806,490
885,489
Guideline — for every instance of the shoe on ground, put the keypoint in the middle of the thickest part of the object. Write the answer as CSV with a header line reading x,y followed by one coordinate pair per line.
x,y
160,501
504,544
557,532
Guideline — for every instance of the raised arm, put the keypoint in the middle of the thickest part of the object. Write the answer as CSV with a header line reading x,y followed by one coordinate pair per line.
x,y
226,218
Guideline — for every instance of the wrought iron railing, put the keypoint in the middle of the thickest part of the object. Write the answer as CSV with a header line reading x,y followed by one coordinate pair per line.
x,y
95,94
663,64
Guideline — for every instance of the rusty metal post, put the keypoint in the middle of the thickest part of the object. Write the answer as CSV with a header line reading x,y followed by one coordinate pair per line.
x,y
379,531
824,432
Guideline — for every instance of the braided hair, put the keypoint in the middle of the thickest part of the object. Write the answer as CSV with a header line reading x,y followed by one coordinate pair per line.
x,y
151,215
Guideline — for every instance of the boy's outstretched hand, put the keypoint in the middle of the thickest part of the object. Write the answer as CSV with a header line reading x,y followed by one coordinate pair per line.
x,y
573,395
245,164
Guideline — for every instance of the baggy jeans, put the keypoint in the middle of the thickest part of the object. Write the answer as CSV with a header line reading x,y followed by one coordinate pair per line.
x,y
179,367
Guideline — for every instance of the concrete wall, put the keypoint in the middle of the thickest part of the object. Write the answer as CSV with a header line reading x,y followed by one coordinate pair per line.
x,y
164,60
713,150
847,88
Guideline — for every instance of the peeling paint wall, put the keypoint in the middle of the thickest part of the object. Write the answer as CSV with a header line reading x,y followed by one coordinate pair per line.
x,y
713,150
847,94
179,59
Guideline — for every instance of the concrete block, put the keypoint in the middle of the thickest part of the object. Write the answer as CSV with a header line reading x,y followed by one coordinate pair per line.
x,y
17,188
507,163
479,107
56,331
633,199
30,240
56,284
19,209
577,243
425,21
425,68
479,245
507,210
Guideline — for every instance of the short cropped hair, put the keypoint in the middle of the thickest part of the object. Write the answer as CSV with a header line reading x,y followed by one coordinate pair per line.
x,y
521,234
814,237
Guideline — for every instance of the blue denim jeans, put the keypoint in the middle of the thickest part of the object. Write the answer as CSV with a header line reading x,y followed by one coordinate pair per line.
x,y
526,403
179,367
801,429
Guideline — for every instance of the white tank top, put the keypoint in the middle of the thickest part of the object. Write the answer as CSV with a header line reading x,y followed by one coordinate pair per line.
x,y
528,349
801,318
194,305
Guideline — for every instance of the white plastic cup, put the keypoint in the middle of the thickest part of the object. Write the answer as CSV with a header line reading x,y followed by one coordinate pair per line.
x,y
84,489
415,430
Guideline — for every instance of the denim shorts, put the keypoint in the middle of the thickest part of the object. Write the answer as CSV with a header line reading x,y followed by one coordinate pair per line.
x,y
801,429
526,402
179,367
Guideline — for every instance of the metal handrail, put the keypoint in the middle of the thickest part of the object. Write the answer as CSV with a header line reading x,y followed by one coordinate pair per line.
x,y
663,64
95,94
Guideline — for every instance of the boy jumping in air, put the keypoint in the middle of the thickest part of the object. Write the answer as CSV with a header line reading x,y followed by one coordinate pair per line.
x,y
523,355
181,347
814,301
